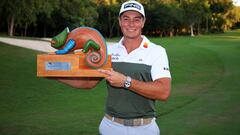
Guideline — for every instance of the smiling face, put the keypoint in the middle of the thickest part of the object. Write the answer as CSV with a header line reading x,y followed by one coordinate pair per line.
x,y
131,23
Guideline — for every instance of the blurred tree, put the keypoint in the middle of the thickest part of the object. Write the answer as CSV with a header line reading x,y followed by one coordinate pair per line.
x,y
194,12
219,10
1,13
167,16
164,17
11,11
22,13
45,10
231,17
75,13
108,17
28,15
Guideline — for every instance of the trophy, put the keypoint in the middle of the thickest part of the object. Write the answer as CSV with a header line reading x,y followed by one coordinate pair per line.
x,y
80,53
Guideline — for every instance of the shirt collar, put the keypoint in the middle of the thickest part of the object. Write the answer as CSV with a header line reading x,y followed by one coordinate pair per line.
x,y
144,44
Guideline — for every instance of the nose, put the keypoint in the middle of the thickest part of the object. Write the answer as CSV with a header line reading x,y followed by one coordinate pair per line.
x,y
131,22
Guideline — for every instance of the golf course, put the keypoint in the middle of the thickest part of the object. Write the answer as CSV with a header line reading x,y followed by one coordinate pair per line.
x,y
204,100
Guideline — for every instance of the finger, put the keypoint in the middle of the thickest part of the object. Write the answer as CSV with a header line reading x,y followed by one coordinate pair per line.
x,y
103,71
108,78
107,72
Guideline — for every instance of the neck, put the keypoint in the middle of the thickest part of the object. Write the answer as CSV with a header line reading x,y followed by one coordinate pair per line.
x,y
132,43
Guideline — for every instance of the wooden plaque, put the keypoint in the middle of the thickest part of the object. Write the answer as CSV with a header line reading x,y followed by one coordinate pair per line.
x,y
68,65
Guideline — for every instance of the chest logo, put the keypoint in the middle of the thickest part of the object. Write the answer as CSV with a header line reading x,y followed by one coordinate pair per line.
x,y
140,59
115,56
145,45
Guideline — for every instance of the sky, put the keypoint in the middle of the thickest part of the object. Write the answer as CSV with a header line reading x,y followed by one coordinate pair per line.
x,y
236,2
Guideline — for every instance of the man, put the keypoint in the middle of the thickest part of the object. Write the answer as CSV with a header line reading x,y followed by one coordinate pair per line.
x,y
140,76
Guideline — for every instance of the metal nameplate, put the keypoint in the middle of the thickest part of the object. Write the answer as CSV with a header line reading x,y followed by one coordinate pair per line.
x,y
57,65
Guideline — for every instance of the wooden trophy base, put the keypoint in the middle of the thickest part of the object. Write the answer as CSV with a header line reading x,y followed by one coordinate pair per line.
x,y
68,65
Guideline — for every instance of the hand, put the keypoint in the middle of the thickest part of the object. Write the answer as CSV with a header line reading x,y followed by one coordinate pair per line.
x,y
114,78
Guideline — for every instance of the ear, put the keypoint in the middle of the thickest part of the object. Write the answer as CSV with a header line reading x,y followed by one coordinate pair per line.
x,y
143,22
119,21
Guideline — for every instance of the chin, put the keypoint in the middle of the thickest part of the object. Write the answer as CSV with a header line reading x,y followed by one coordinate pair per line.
x,y
132,36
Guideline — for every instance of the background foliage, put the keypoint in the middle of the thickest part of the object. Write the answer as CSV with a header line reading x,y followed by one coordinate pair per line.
x,y
45,18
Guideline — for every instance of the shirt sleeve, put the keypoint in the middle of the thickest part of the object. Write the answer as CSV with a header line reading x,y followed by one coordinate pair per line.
x,y
160,66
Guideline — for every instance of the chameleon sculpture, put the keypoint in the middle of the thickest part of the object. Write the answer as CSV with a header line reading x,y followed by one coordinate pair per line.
x,y
88,39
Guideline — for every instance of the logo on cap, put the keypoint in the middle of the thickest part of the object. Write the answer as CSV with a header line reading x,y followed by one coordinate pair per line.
x,y
132,5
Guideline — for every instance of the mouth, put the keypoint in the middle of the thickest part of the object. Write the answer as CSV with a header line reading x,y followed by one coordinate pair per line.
x,y
131,30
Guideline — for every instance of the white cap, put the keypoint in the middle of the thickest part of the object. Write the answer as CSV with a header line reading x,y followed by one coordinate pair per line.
x,y
132,5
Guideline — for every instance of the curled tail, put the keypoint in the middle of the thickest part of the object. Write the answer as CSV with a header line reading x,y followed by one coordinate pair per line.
x,y
93,56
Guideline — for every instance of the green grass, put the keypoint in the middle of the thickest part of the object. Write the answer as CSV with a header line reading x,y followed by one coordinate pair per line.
x,y
204,98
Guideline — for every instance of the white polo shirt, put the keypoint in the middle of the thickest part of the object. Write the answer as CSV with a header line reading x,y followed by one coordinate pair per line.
x,y
146,63
148,54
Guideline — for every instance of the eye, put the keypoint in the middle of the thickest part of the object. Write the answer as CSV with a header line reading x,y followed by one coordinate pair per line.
x,y
137,20
125,19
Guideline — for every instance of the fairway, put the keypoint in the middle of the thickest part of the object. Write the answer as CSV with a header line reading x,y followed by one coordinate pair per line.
x,y
204,98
